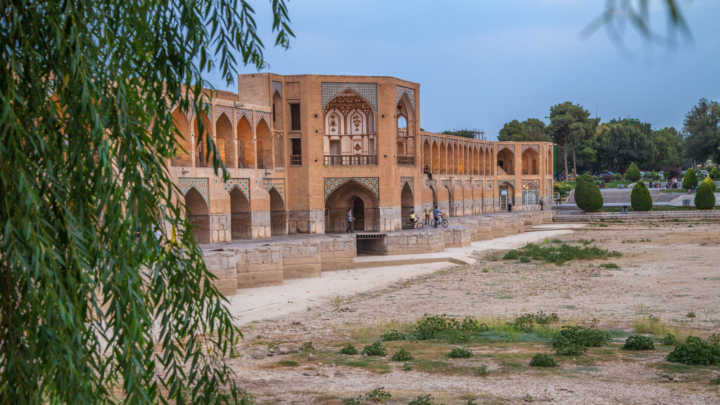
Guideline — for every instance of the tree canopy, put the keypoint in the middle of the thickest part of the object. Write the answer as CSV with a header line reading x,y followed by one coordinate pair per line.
x,y
94,306
702,131
531,129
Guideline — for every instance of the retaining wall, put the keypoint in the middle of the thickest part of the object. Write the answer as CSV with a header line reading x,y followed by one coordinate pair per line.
x,y
689,215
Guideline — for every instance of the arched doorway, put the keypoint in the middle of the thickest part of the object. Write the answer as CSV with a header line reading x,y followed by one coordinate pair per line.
x,y
278,216
245,152
239,215
264,146
182,140
224,141
451,202
202,157
427,157
197,213
506,194
362,201
506,162
406,205
530,162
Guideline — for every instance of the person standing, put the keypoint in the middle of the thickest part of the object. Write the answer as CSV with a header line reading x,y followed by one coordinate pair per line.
x,y
427,216
349,220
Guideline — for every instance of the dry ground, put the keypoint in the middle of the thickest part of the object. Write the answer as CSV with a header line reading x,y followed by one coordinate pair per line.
x,y
667,271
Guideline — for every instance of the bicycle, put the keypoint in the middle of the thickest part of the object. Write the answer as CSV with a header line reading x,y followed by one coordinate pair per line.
x,y
416,225
442,222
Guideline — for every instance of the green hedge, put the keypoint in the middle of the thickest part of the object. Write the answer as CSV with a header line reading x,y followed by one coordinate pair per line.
x,y
587,194
704,197
640,199
690,180
633,172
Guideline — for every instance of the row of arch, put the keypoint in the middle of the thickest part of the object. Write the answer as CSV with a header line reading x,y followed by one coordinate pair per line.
x,y
238,146
451,158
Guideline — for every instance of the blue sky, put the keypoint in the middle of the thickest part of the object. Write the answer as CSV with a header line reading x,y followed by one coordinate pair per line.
x,y
483,63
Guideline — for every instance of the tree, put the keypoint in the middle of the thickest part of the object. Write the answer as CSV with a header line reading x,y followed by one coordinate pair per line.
x,y
531,130
623,141
668,144
640,198
587,194
715,173
690,180
632,173
570,124
704,197
465,133
94,308
709,182
702,131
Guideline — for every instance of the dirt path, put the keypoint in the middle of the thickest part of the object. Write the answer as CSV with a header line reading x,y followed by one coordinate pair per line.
x,y
667,270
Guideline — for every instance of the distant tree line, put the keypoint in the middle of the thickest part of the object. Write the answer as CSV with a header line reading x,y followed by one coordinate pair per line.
x,y
587,144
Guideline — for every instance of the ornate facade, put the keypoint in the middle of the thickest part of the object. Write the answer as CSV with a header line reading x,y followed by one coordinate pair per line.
x,y
301,150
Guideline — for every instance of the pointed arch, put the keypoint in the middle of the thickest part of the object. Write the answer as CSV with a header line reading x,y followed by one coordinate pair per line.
x,y
354,196
443,158
435,157
427,156
183,141
278,213
407,204
202,158
224,140
240,222
264,145
245,149
506,161
197,213
530,162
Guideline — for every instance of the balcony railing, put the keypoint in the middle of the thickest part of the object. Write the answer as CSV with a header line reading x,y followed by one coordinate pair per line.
x,y
406,160
350,160
296,160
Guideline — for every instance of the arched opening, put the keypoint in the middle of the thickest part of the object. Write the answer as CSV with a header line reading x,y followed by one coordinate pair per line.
x,y
489,163
443,162
451,159
476,156
530,162
183,147
202,158
506,195
278,216
550,171
277,113
239,215
427,157
245,153
451,202
264,145
224,141
406,205
353,196
434,197
197,213
505,162
435,158
349,138
405,134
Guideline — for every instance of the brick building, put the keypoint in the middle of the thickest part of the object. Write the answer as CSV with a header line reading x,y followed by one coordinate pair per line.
x,y
303,149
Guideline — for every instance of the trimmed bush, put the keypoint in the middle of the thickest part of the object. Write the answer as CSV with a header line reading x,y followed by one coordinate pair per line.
x,y
459,353
401,355
632,173
637,342
574,340
704,197
349,349
709,182
715,173
695,351
542,360
690,180
375,349
587,194
640,199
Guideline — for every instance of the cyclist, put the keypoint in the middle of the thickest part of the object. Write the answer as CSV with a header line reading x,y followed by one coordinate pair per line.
x,y
413,219
436,216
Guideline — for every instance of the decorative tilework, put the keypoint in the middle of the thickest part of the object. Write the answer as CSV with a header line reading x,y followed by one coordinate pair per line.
x,y
409,181
278,184
276,87
333,183
262,115
241,183
400,90
241,112
201,184
367,90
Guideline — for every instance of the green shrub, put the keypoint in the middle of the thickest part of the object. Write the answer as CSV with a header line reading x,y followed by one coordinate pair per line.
x,y
375,349
459,353
542,360
307,347
526,322
690,180
640,199
431,325
422,400
638,342
349,349
378,395
695,351
715,173
715,381
393,335
709,182
587,194
690,314
574,340
352,401
609,266
669,340
559,254
632,173
481,371
704,197
402,355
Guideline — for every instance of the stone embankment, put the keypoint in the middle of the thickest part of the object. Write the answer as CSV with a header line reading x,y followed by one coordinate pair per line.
x,y
246,264
689,215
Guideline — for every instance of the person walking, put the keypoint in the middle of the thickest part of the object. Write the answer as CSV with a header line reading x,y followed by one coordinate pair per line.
x,y
349,220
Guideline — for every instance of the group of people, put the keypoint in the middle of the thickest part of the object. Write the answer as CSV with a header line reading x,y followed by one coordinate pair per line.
x,y
435,213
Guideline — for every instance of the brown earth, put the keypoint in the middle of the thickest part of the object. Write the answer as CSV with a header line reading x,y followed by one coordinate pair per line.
x,y
667,271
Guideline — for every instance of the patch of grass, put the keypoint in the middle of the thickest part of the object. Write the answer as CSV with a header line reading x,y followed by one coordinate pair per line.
x,y
407,367
638,342
349,349
560,254
402,355
690,315
715,381
307,347
422,400
669,340
528,322
352,401
481,371
675,367
459,353
393,335
542,360
378,395
653,325
535,327
288,363
375,349
610,266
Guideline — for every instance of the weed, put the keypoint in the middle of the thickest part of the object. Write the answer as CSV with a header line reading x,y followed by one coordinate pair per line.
x,y
407,367
307,347
375,349
402,355
653,325
637,342
459,353
542,360
486,270
525,259
669,340
481,371
422,400
560,254
378,395
288,363
610,266
352,401
574,340
690,315
695,351
393,335
527,322
349,349
715,381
